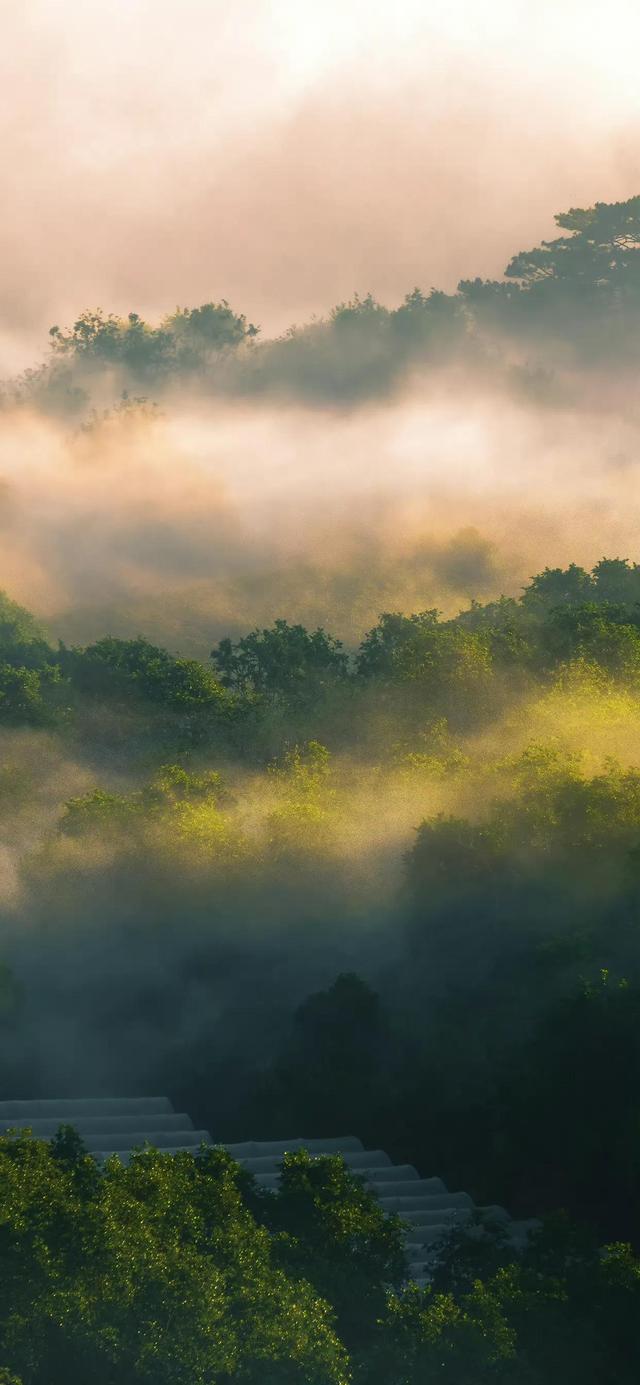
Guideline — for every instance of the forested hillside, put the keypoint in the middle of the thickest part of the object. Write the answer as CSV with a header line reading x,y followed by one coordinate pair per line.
x,y
392,889
178,1268
322,814
570,304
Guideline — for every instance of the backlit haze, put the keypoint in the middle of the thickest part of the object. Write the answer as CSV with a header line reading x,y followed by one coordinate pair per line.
x,y
283,155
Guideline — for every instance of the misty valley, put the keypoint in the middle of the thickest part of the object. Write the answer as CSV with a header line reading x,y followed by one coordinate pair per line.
x,y
320,797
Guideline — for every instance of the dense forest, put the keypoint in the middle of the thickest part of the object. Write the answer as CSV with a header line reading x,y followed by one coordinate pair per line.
x,y
249,819
379,876
177,1269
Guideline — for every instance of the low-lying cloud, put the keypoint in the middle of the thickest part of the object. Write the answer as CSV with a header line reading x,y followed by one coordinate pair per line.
x,y
152,158
211,520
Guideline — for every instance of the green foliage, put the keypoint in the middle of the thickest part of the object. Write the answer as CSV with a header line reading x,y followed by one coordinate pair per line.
x,y
332,1065
174,785
23,642
601,253
417,666
129,412
617,582
186,342
213,326
578,296
572,1095
27,695
302,779
594,632
282,662
362,349
510,909
99,811
425,1336
151,672
332,1232
506,736
359,314
555,808
439,668
190,806
303,771
431,752
177,1268
562,1314
428,321
556,587
575,298
29,675
154,1272
509,734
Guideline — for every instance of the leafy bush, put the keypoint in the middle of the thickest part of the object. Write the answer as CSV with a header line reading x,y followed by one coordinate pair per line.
x,y
154,1272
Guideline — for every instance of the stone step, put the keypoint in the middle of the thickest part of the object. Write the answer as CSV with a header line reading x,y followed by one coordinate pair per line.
x,y
427,1189
389,1173
378,1184
125,1155
116,1126
433,1216
428,1235
162,1139
409,1189
64,1110
259,1149
447,1201
354,1159
518,1232
422,1208
493,1214
415,1254
88,1126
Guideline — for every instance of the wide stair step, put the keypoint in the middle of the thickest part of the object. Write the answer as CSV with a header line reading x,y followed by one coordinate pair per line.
x,y
160,1139
408,1188
252,1149
89,1126
390,1173
430,1214
354,1159
126,1155
433,1216
428,1235
65,1111
117,1126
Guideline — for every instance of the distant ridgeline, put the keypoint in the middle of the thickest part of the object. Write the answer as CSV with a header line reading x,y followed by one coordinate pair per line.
x,y
572,302
566,623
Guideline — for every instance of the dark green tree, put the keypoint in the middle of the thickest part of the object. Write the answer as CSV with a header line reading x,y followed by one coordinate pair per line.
x,y
284,661
137,667
156,1272
334,1064
333,1233
600,254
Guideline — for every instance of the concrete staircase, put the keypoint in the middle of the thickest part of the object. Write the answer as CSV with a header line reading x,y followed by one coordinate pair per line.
x,y
110,1125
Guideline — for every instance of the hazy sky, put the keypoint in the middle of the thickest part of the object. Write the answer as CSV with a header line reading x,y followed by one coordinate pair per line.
x,y
283,153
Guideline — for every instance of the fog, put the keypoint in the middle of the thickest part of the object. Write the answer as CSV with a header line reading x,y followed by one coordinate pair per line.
x,y
202,520
284,156
206,522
